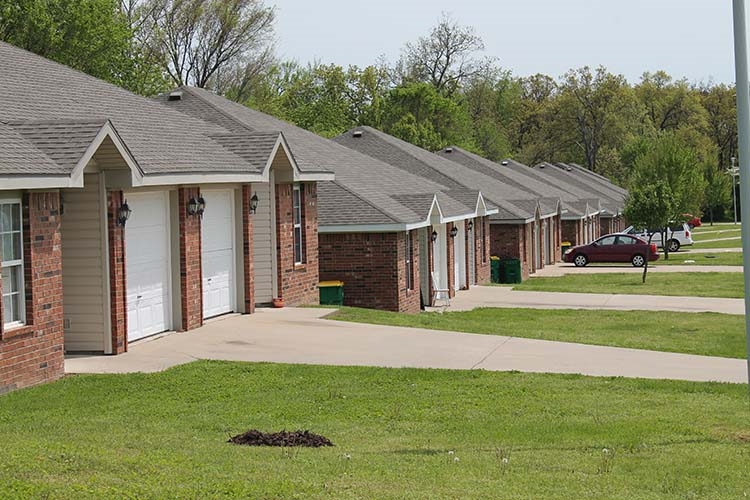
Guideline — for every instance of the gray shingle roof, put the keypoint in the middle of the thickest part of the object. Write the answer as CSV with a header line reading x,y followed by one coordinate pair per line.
x,y
161,140
19,156
610,201
375,192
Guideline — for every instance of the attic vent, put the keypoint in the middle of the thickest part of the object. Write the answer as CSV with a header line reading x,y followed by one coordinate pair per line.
x,y
569,169
356,133
541,165
448,150
504,163
175,96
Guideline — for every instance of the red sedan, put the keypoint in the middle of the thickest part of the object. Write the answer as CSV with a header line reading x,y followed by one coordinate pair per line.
x,y
612,248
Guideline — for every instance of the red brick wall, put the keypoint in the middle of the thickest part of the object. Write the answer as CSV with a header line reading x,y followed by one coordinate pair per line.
x,y
118,284
298,282
571,231
513,241
482,255
373,269
247,250
34,353
191,272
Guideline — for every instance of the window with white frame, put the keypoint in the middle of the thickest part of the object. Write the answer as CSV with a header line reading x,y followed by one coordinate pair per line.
x,y
299,244
409,262
11,239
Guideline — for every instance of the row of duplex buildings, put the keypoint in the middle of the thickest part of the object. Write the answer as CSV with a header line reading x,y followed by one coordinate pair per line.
x,y
122,217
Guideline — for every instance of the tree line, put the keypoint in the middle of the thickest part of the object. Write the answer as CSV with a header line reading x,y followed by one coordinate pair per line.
x,y
441,91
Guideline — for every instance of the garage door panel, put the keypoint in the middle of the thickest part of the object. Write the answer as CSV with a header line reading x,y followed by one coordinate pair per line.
x,y
147,266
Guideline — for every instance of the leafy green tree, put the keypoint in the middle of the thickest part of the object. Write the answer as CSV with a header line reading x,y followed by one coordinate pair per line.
x,y
419,114
594,110
667,160
93,36
670,105
718,190
650,204
720,103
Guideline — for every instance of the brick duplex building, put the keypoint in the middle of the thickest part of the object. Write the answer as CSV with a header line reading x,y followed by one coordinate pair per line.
x,y
384,232
121,218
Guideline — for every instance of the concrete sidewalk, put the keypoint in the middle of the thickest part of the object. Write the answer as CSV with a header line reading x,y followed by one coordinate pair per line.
x,y
505,296
293,335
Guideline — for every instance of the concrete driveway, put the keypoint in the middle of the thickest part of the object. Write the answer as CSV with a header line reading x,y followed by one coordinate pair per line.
x,y
292,335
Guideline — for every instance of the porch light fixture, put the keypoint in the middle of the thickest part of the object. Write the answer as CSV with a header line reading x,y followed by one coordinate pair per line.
x,y
471,225
433,237
254,203
454,232
123,213
196,206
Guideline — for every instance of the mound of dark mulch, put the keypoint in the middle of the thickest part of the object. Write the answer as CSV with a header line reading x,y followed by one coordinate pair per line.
x,y
283,438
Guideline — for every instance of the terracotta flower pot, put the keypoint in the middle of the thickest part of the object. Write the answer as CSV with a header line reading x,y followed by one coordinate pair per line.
x,y
278,302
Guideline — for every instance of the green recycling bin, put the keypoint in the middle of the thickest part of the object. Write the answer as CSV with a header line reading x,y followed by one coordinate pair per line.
x,y
495,269
510,271
331,293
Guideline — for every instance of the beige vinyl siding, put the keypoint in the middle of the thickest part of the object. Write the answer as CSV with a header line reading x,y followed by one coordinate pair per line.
x,y
83,267
264,245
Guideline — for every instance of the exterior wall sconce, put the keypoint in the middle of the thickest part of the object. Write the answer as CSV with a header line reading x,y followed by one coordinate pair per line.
x,y
196,206
123,213
433,236
454,232
254,203
470,226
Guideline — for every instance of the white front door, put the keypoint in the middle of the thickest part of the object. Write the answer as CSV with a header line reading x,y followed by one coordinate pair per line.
x,y
147,265
217,240
472,257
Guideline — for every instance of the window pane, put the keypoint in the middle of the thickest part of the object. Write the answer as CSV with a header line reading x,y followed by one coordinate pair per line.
x,y
17,253
7,239
9,313
5,218
6,279
16,216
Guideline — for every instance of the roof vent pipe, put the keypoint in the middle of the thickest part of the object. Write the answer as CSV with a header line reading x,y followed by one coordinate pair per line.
x,y
504,163
356,133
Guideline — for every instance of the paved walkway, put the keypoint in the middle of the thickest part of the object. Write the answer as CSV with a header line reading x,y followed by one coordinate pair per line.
x,y
292,335
505,296
563,269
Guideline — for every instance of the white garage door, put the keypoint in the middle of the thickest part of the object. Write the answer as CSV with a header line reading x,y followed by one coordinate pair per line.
x,y
147,265
218,253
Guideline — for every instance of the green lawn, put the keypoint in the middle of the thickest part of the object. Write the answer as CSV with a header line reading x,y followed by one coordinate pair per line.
x,y
710,334
399,433
715,234
718,226
700,259
727,285
734,243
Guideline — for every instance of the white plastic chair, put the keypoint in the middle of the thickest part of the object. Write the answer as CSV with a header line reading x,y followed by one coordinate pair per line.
x,y
439,293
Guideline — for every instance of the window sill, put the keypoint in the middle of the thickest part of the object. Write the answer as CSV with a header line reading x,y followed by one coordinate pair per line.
x,y
16,331
301,266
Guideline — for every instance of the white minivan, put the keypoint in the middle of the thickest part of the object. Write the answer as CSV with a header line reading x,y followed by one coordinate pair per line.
x,y
678,235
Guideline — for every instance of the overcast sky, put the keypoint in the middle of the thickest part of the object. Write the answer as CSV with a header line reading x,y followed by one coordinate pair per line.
x,y
685,38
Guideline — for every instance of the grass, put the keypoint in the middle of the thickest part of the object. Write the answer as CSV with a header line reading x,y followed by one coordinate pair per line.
x,y
726,285
734,243
399,434
717,234
706,227
709,334
700,259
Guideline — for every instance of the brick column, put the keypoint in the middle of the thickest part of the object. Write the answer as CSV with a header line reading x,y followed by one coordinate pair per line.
x,y
117,282
191,271
248,263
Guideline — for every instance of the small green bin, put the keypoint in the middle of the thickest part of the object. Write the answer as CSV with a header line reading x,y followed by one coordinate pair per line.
x,y
331,293
495,269
510,271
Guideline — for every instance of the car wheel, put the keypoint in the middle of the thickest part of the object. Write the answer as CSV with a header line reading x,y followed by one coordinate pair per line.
x,y
674,245
580,260
638,260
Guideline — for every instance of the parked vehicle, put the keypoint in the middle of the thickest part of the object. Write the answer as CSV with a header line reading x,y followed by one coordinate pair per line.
x,y
613,248
678,235
692,220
